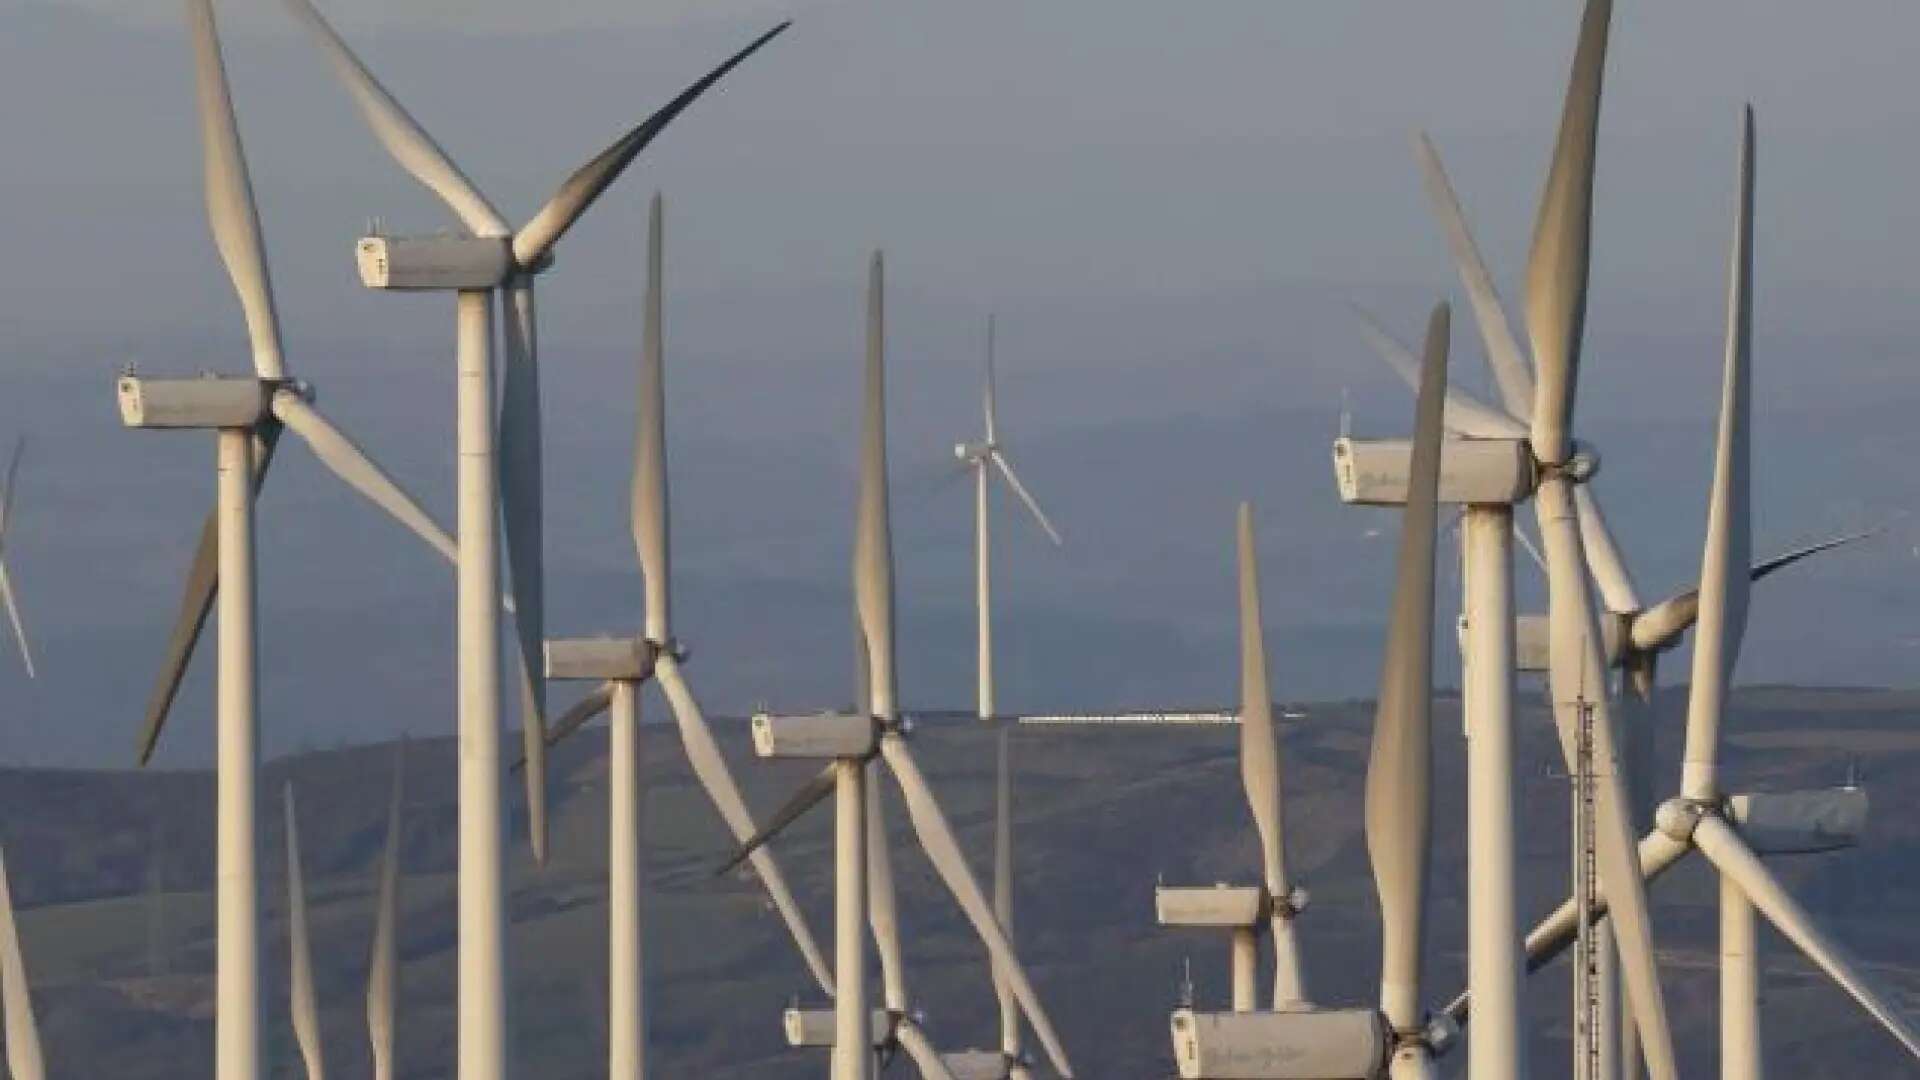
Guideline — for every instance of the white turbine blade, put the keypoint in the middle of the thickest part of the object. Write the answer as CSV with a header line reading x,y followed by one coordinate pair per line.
x,y
1526,544
913,1039
588,182
301,998
1661,625
943,850
1003,883
1510,372
404,138
383,963
882,908
710,768
873,539
1260,764
521,507
651,537
1399,784
24,1059
989,405
1724,583
13,616
1603,555
350,463
6,494
1729,854
577,716
1463,414
230,206
1020,489
1577,676
1557,264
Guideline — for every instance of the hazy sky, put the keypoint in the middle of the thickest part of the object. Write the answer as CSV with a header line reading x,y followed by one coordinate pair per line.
x,y
1169,205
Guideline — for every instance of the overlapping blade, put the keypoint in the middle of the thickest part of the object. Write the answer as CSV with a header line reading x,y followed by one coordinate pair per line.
x,y
522,511
1724,582
1399,796
1003,884
710,768
1577,676
196,601
1510,371
576,717
913,1039
579,190
403,137
811,794
651,535
1020,489
230,206
383,962
1556,283
300,996
883,913
1463,414
1260,764
1722,846
1661,625
1603,555
24,1059
345,459
936,838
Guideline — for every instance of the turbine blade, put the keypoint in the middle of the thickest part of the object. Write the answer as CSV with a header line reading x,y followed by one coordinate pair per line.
x,y
873,539
811,794
230,207
1003,885
1399,785
24,1060
882,908
1510,371
13,616
992,413
1724,582
196,601
522,509
1730,855
1020,489
13,477
407,142
1463,414
1661,625
703,755
1609,569
383,963
1557,264
576,717
345,459
943,850
588,182
1526,543
1577,674
301,998
1260,762
651,535
913,1039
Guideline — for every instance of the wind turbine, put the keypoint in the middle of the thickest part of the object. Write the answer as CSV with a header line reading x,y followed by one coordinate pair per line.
x,y
1278,901
383,959
1395,1039
491,478
6,578
301,997
851,740
984,458
663,652
24,1060
1490,475
1702,816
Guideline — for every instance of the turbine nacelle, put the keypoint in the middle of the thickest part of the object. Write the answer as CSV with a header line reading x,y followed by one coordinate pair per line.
x,y
214,401
1308,1044
973,453
816,736
1473,472
815,1027
456,263
628,659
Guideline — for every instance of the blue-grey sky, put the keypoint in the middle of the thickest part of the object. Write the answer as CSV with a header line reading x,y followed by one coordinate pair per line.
x,y
1170,208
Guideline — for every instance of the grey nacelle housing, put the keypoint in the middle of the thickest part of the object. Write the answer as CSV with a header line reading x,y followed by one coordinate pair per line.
x,y
191,403
1474,472
1307,1044
434,262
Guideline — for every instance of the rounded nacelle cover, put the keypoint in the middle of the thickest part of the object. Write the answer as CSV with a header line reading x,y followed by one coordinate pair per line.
x,y
1309,1044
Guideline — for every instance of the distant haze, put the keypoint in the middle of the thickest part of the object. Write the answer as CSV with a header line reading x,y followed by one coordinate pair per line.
x,y
1170,209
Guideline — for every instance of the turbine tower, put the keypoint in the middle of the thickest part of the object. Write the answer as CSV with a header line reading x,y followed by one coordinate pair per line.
x,y
492,477
24,1060
985,458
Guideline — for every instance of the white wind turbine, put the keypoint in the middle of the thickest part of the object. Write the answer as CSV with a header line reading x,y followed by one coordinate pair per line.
x,y
855,739
24,1060
1398,1039
1538,458
491,478
301,997
1702,816
984,458
663,654
383,959
6,578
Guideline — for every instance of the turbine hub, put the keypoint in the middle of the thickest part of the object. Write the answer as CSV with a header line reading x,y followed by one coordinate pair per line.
x,y
1678,818
1582,464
